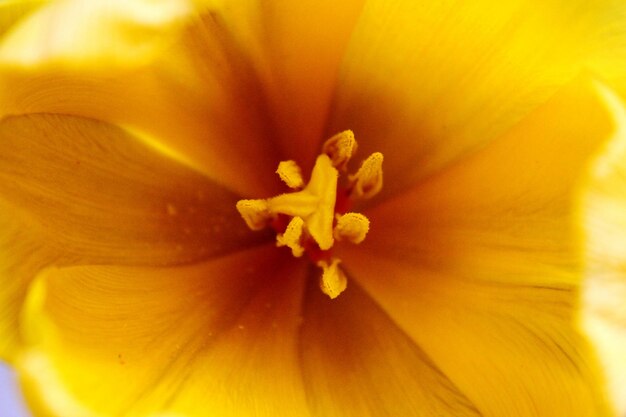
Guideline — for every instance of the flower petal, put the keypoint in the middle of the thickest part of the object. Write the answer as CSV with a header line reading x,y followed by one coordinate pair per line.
x,y
21,257
100,194
11,11
356,362
603,204
427,82
296,48
217,338
117,32
77,191
478,264
136,64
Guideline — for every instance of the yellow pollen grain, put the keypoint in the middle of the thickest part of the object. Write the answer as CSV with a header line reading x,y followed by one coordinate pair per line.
x,y
290,173
340,148
352,227
333,281
368,180
291,237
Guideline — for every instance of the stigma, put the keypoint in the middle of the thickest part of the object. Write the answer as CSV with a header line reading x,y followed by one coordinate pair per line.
x,y
313,218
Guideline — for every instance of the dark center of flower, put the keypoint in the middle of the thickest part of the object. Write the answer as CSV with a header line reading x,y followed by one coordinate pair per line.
x,y
312,218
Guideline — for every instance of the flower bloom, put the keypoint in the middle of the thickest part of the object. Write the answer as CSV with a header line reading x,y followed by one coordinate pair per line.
x,y
141,141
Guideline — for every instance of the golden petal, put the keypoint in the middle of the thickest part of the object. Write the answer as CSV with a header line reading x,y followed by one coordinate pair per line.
x,y
603,237
171,76
75,190
428,82
22,256
357,363
511,348
217,338
296,48
12,11
89,34
478,264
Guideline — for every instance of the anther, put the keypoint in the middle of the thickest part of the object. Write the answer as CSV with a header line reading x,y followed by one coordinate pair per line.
x,y
352,227
255,213
291,237
290,173
333,281
340,149
368,180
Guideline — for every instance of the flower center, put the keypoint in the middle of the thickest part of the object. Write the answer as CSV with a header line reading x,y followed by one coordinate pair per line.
x,y
312,218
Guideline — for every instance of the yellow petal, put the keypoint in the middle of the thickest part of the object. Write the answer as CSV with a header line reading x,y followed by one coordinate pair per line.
x,y
511,349
22,255
79,191
218,338
98,192
11,11
478,264
357,362
186,89
296,48
603,220
115,32
425,82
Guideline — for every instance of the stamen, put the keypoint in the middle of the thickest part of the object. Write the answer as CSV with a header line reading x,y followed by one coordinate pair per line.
x,y
316,213
368,180
333,281
255,213
291,237
340,149
290,173
352,227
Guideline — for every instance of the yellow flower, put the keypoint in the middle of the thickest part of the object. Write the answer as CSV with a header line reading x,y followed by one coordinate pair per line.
x,y
132,131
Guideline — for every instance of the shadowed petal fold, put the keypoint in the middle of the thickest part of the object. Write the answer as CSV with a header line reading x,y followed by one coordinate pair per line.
x,y
76,191
137,65
426,82
101,195
22,255
217,338
357,362
479,266
228,90
296,48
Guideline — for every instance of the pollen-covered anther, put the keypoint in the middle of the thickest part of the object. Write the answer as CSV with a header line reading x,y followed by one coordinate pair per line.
x,y
351,227
292,237
255,213
340,149
368,180
333,281
290,173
